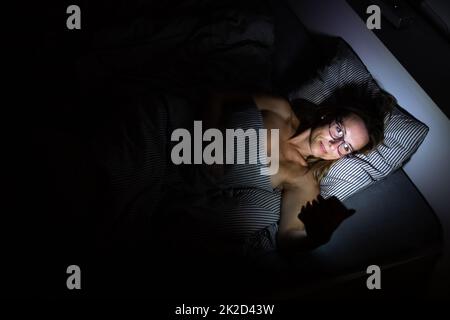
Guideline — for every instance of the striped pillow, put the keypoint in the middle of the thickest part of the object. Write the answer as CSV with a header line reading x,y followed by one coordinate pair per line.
x,y
403,133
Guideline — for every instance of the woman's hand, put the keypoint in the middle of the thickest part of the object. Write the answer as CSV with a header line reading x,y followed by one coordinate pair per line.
x,y
322,217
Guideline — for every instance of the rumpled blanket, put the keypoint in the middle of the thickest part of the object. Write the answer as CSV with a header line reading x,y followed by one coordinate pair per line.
x,y
162,65
186,47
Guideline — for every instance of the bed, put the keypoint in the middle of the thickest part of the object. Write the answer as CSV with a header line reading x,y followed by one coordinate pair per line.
x,y
394,227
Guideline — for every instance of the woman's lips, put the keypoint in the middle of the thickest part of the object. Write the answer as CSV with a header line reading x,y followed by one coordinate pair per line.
x,y
322,147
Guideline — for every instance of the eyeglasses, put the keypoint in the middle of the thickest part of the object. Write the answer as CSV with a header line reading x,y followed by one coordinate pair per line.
x,y
337,133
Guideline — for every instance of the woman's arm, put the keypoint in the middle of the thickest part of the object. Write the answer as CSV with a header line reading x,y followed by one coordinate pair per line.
x,y
291,232
308,220
278,105
219,104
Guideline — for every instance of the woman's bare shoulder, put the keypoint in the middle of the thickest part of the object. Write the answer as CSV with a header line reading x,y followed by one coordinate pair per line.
x,y
275,104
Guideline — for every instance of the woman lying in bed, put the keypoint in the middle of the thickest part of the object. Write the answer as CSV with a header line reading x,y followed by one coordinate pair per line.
x,y
235,204
311,138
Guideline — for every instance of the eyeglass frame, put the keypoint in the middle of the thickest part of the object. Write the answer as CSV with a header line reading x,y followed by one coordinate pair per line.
x,y
341,126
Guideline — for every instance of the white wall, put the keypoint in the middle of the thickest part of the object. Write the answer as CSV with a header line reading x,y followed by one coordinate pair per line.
x,y
429,166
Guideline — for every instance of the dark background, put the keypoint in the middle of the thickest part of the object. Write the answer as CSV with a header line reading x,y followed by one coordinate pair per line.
x,y
418,45
56,194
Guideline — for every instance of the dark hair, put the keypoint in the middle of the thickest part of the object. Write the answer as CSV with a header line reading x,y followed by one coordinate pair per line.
x,y
371,106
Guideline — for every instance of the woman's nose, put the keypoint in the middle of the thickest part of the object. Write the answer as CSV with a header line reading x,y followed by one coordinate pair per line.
x,y
332,145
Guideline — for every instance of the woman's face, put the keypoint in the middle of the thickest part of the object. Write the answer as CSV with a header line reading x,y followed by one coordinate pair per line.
x,y
339,138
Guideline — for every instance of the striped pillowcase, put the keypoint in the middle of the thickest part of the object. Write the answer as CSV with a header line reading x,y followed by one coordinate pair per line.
x,y
403,133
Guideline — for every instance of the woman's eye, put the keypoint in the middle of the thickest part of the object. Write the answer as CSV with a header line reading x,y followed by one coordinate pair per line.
x,y
346,148
339,132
